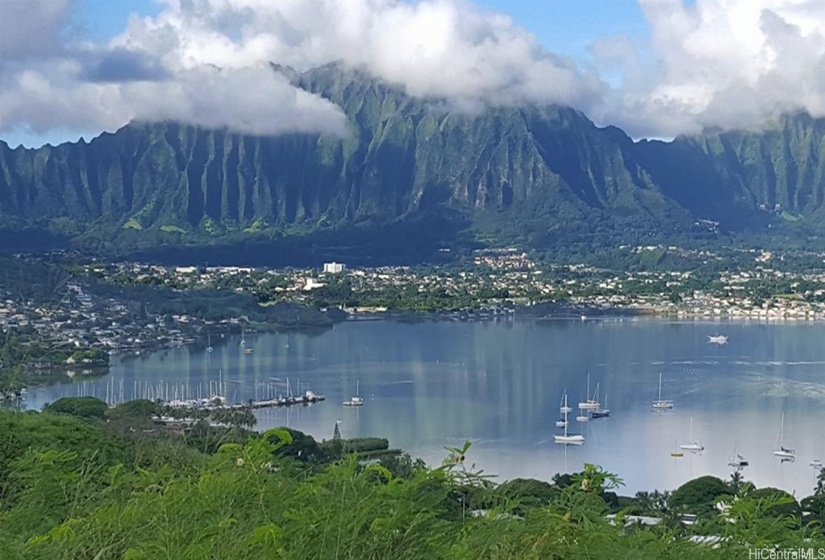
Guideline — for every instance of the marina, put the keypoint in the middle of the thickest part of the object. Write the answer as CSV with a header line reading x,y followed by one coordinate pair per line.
x,y
180,395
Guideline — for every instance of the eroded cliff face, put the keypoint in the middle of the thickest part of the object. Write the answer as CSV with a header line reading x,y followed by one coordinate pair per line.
x,y
544,169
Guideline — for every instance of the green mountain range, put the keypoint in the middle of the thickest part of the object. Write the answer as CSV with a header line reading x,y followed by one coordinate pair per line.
x,y
414,176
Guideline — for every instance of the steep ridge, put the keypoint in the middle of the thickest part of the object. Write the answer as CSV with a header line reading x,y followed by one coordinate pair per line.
x,y
533,175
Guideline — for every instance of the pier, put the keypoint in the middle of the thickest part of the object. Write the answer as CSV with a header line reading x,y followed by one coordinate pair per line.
x,y
184,396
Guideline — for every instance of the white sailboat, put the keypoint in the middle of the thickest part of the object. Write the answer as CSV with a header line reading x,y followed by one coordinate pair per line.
x,y
209,343
783,452
575,439
602,411
356,400
563,410
660,404
692,445
590,404
737,460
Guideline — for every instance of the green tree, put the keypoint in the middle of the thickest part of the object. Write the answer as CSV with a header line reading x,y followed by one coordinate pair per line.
x,y
88,407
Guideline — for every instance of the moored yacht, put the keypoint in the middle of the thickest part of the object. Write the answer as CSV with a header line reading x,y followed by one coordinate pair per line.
x,y
692,445
738,461
575,439
602,411
356,400
660,404
590,404
784,453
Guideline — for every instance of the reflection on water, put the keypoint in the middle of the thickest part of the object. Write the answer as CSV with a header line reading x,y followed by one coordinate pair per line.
x,y
498,384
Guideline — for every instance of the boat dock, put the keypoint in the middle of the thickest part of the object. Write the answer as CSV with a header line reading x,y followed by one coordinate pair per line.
x,y
219,403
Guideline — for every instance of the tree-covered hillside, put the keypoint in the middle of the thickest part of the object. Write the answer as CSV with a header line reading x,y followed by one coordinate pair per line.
x,y
536,176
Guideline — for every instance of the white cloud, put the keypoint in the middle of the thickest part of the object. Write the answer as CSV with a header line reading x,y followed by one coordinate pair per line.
x,y
251,100
725,63
444,48
721,63
30,28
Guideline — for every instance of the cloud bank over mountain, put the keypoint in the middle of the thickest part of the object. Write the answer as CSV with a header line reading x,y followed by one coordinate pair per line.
x,y
723,64
710,63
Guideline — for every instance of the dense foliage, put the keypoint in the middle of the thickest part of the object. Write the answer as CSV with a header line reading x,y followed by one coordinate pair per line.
x,y
73,487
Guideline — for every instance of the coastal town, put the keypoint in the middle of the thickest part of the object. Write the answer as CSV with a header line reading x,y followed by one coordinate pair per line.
x,y
99,309
507,279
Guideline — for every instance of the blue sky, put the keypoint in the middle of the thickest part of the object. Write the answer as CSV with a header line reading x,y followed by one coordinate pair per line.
x,y
568,27
655,68
100,20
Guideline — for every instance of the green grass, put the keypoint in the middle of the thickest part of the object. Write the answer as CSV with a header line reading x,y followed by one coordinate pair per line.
x,y
172,229
132,223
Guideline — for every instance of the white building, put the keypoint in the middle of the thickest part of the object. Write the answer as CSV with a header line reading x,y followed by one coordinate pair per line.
x,y
311,284
334,268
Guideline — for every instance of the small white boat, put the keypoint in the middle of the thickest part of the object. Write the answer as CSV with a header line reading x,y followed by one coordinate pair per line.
x,y
561,423
567,438
738,461
573,439
660,404
590,404
692,445
783,452
356,400
816,463
719,339
563,408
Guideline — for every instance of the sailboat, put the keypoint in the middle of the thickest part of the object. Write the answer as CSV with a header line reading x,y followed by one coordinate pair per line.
x,y
784,453
692,445
356,400
602,411
737,461
590,404
209,343
660,404
246,349
563,410
576,439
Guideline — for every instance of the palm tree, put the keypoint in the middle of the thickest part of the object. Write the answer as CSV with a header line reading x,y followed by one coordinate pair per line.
x,y
737,481
820,483
659,501
645,500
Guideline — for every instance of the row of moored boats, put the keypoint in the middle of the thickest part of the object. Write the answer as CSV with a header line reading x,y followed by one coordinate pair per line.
x,y
591,408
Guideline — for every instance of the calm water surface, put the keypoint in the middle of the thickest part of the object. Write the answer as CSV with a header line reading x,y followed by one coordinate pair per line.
x,y
499,383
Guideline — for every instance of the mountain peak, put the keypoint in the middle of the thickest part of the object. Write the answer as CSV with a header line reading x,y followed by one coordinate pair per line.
x,y
291,73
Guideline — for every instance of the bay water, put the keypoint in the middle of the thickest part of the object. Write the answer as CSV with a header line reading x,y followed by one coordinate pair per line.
x,y
498,384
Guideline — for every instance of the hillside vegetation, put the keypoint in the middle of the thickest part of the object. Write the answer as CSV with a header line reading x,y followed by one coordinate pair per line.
x,y
535,176
78,485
